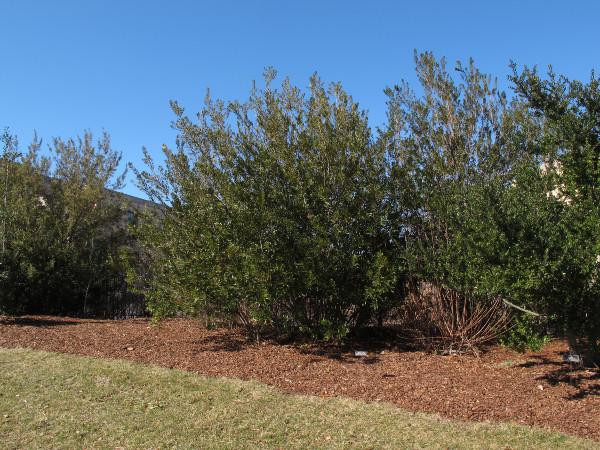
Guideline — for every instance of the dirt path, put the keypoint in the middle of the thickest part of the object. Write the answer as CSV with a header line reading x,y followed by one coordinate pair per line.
x,y
534,389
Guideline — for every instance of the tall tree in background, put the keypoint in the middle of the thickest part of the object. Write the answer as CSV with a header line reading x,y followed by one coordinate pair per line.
x,y
60,226
22,221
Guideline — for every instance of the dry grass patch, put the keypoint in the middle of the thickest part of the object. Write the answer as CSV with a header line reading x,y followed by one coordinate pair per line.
x,y
52,400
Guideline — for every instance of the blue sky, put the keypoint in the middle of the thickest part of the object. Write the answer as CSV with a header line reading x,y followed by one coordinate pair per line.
x,y
66,66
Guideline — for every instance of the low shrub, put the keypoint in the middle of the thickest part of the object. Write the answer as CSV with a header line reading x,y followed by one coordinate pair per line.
x,y
526,333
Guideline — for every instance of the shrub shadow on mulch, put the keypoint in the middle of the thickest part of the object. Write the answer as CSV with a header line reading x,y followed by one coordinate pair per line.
x,y
37,322
223,343
586,381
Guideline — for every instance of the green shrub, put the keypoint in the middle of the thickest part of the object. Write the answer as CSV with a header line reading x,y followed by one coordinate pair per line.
x,y
527,334
275,214
570,271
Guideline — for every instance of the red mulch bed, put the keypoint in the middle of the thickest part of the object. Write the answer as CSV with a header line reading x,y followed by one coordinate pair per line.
x,y
535,389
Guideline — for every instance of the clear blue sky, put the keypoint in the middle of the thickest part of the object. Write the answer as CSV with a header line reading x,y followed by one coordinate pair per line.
x,y
66,66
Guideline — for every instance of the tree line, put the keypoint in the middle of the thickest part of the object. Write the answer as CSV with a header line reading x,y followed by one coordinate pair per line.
x,y
469,216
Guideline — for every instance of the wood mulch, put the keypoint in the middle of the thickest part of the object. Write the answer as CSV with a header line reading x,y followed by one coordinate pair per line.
x,y
535,388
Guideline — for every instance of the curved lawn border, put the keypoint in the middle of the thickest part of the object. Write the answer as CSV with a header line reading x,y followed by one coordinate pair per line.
x,y
56,400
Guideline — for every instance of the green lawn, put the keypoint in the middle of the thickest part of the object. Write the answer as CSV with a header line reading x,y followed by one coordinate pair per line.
x,y
50,400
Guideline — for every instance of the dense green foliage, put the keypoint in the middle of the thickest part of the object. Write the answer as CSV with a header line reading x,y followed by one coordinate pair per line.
x,y
286,211
526,334
277,213
289,211
571,149
59,232
457,151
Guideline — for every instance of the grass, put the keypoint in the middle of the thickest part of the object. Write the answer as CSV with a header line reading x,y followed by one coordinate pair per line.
x,y
51,400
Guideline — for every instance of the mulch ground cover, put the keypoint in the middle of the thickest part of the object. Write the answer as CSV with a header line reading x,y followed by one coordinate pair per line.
x,y
500,385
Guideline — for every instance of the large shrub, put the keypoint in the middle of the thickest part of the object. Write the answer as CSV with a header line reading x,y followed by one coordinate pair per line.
x,y
457,150
571,152
275,213
505,193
